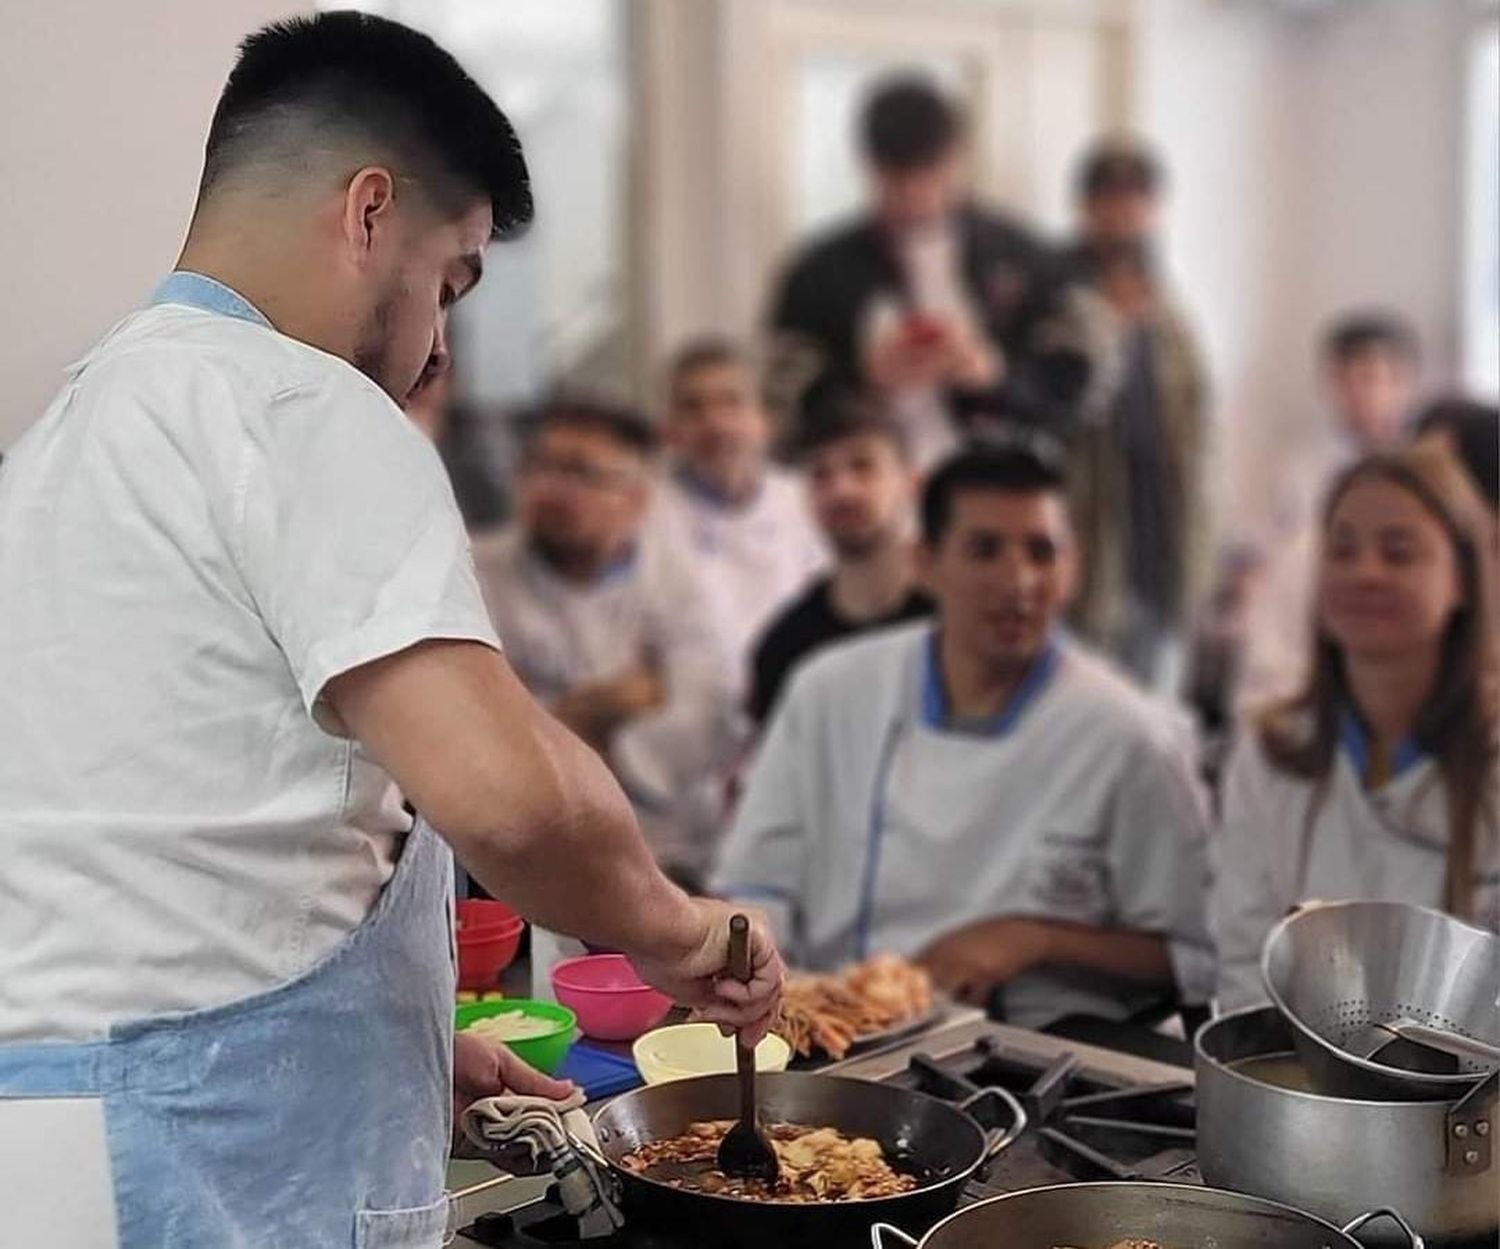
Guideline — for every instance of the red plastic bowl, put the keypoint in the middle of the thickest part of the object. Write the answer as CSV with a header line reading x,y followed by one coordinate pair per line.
x,y
486,952
612,1002
477,913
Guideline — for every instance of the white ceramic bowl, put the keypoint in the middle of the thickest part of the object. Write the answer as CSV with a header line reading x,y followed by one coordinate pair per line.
x,y
684,1050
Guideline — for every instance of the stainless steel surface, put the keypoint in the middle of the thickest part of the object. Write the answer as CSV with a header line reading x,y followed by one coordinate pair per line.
x,y
961,1031
1336,969
1333,1157
1101,1214
1441,1044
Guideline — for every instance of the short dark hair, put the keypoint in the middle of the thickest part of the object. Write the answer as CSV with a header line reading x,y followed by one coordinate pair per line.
x,y
711,351
377,84
1358,333
848,415
908,124
1475,429
1118,165
625,426
1007,469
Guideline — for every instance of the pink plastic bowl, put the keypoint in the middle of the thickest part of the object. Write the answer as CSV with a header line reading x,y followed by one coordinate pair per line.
x,y
612,1002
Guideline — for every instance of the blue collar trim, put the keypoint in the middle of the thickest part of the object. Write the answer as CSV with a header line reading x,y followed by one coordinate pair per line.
x,y
705,492
935,711
197,291
1355,740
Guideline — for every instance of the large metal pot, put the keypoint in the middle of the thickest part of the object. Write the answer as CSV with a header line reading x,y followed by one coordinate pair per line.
x,y
1097,1215
1433,1161
944,1145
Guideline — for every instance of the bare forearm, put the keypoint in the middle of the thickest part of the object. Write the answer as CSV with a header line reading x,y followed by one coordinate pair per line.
x,y
1122,952
530,810
611,891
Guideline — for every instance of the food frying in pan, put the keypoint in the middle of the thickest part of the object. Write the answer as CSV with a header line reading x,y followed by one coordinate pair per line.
x,y
817,1164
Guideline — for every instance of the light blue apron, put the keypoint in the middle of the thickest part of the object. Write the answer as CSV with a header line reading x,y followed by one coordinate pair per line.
x,y
316,1114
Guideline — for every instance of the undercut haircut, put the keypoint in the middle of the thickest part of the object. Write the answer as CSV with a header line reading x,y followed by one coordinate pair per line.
x,y
310,91
1011,469
909,124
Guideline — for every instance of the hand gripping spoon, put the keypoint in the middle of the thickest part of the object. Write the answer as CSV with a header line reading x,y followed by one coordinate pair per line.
x,y
745,1153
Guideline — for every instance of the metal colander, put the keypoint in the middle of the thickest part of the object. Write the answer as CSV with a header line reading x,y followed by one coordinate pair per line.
x,y
1334,969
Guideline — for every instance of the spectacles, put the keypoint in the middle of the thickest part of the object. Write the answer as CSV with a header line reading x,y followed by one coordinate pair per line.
x,y
578,473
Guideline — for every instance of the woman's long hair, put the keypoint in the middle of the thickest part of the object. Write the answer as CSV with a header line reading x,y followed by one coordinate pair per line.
x,y
1456,726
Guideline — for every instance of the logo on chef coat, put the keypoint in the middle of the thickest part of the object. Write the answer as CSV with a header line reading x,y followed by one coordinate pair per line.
x,y
1067,877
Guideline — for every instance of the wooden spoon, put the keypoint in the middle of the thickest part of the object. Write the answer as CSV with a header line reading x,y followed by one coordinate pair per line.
x,y
745,1153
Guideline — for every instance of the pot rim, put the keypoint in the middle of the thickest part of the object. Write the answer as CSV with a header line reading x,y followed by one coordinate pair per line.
x,y
1156,1186
1223,1069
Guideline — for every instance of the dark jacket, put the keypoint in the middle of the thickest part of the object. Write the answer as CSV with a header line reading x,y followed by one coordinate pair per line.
x,y
1016,285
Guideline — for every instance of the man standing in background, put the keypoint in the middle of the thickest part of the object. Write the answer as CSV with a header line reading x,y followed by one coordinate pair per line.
x,y
950,311
1138,470
741,521
1369,368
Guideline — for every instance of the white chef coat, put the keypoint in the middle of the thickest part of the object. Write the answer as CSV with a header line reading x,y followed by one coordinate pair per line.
x,y
869,824
559,634
1279,846
209,523
754,557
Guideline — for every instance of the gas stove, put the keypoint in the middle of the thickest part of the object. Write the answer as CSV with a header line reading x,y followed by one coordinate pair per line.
x,y
1094,1114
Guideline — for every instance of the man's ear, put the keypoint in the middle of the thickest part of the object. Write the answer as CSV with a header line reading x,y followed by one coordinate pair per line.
x,y
369,206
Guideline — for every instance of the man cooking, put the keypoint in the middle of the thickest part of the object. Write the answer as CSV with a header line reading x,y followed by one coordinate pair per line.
x,y
238,605
981,793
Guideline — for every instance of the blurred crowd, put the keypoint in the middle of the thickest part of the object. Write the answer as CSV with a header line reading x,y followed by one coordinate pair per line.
x,y
915,621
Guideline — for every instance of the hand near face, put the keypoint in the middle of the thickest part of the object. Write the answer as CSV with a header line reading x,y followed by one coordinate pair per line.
x,y
933,350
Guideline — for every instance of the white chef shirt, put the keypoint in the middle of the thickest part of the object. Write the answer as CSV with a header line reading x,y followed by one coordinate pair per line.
x,y
868,824
210,522
559,634
1388,844
754,557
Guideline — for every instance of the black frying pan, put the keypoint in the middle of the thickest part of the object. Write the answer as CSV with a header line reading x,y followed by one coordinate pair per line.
x,y
942,1144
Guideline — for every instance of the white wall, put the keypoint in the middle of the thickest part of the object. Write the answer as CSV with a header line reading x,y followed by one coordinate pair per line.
x,y
105,107
1318,167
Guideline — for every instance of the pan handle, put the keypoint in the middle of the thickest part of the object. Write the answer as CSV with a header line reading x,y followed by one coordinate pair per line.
x,y
1413,1240
880,1231
998,1139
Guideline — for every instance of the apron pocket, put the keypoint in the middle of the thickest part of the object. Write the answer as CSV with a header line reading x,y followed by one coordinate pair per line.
x,y
420,1227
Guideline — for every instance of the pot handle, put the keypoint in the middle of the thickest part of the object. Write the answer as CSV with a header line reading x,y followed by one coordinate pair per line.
x,y
1413,1240
999,1139
1469,1125
880,1231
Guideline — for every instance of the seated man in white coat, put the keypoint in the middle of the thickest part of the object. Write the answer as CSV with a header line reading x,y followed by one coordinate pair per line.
x,y
745,521
982,793
612,633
